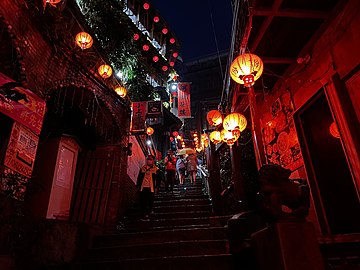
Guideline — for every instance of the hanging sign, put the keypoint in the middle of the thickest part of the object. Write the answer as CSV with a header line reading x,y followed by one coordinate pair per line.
x,y
138,116
21,151
154,109
184,108
21,104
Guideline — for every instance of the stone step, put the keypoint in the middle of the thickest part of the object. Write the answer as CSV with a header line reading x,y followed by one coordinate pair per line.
x,y
171,223
193,214
182,202
162,228
181,208
149,237
206,262
166,197
158,250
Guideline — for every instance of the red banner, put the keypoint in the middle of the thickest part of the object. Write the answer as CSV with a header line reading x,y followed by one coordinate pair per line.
x,y
21,104
21,151
138,116
184,107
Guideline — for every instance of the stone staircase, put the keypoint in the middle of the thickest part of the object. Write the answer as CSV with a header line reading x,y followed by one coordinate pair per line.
x,y
182,233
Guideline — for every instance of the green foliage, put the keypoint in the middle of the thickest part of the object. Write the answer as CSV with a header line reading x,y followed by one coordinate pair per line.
x,y
114,31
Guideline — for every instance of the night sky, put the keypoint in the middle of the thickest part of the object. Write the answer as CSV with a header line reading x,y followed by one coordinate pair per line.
x,y
190,20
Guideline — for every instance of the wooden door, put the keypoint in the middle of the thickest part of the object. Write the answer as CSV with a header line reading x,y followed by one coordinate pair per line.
x,y
94,176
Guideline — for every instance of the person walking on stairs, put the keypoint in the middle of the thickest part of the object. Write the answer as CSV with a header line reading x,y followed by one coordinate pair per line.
x,y
180,168
148,176
192,167
170,170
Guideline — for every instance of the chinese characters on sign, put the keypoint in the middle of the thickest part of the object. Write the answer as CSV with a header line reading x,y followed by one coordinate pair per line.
x,y
21,151
184,109
138,116
21,104
154,109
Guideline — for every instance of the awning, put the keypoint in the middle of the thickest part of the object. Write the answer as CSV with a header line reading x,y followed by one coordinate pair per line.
x,y
21,104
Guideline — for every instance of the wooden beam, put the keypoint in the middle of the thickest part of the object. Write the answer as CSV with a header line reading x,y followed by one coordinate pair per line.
x,y
292,13
265,25
278,60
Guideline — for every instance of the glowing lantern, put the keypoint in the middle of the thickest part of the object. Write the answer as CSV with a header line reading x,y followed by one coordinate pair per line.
x,y
214,118
246,69
52,2
228,137
146,47
105,71
136,37
171,139
179,137
334,131
172,64
172,40
175,133
175,54
235,123
165,31
155,58
165,68
215,137
84,40
149,131
121,91
156,19
146,6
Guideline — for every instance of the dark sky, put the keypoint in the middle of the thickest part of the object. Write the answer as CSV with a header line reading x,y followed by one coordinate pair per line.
x,y
190,20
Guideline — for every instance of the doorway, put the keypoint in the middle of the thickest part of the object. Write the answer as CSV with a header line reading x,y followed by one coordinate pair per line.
x,y
330,178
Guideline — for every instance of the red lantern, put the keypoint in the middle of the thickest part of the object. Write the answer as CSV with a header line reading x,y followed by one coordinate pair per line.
x,y
214,117
171,139
155,58
175,54
165,31
172,40
165,68
149,131
84,40
146,6
136,37
334,131
172,64
156,19
105,71
175,133
246,69
146,47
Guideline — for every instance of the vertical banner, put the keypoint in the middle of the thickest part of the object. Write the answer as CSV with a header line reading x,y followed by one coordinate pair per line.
x,y
138,116
184,108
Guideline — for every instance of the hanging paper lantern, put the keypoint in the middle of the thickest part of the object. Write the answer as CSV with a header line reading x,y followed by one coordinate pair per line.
x,y
84,40
146,47
156,19
165,68
179,137
215,137
175,54
214,117
146,6
121,91
175,133
246,69
156,58
105,71
149,131
136,37
235,122
165,31
52,2
228,137
172,64
172,40
171,139
334,131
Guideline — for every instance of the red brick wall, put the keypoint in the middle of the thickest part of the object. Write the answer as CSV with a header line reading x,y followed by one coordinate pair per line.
x,y
47,69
